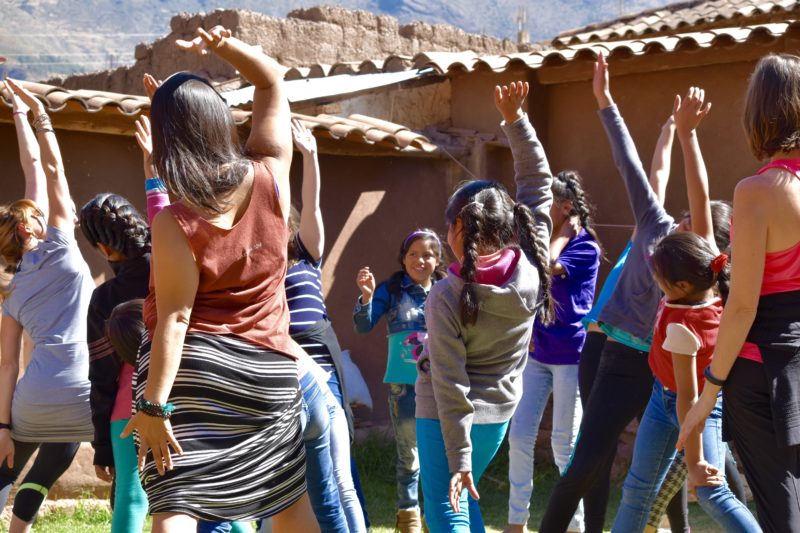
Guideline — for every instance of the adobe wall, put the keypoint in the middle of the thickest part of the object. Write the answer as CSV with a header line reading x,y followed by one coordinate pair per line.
x,y
317,35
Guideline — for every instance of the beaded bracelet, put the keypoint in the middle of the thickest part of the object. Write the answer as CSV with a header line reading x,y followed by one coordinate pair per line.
x,y
157,410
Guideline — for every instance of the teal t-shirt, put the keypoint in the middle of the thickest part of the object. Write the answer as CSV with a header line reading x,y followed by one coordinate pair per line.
x,y
404,349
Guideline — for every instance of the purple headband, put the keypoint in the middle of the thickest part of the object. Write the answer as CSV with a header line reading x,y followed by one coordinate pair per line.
x,y
422,232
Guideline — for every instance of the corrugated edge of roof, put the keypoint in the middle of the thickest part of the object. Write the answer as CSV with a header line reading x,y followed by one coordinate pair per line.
x,y
355,128
451,62
669,18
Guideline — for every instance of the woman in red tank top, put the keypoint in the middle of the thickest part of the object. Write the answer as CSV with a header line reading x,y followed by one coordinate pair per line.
x,y
217,394
761,397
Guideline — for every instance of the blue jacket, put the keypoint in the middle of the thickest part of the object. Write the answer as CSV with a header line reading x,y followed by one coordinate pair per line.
x,y
405,313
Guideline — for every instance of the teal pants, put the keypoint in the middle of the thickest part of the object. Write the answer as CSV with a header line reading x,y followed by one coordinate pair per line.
x,y
130,500
486,440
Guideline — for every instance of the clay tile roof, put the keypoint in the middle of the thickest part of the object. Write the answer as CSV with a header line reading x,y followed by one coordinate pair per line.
x,y
699,14
123,109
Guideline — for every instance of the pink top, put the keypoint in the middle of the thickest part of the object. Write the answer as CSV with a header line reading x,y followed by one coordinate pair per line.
x,y
781,269
123,404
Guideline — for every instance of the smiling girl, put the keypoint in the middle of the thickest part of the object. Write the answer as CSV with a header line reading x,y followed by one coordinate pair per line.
x,y
402,299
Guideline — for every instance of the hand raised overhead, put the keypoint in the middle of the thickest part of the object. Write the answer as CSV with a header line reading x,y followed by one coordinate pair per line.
x,y
509,99
26,97
205,41
690,111
304,140
600,85
150,85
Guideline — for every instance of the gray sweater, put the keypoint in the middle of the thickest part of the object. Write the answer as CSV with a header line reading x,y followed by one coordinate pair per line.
x,y
471,374
633,305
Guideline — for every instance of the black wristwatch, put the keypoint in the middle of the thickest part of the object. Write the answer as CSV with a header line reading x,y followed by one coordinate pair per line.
x,y
5,426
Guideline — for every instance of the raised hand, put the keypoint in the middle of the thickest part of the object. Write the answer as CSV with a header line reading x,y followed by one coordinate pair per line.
x,y
690,111
600,85
459,482
26,97
150,85
304,140
206,41
366,283
144,137
17,104
509,99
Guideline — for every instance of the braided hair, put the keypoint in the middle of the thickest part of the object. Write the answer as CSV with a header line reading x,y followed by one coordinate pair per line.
x,y
112,220
492,220
568,186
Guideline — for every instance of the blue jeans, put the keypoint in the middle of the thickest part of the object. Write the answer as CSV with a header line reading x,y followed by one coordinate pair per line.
x,y
402,409
486,440
653,453
538,379
322,489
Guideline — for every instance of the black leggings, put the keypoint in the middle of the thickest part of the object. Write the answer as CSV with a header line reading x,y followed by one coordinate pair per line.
x,y
51,462
772,471
621,389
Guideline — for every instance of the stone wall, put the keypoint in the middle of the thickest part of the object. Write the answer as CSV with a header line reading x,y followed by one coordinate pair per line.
x,y
317,35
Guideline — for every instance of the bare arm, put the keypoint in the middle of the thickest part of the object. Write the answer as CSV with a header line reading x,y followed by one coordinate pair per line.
x,y
10,349
662,159
312,230
749,249
176,280
270,132
60,204
29,156
688,115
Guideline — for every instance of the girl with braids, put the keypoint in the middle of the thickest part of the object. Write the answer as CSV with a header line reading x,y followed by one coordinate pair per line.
x,y
553,366
48,297
480,320
402,299
119,233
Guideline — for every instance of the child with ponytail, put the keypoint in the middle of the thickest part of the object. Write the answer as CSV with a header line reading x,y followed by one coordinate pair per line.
x,y
480,320
553,366
693,275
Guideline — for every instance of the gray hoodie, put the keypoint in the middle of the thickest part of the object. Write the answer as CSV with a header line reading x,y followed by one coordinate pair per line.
x,y
470,374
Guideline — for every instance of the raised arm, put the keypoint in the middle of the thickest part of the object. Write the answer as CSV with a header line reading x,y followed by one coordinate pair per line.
x,y
644,202
531,169
29,156
270,137
688,113
662,159
61,214
312,230
154,188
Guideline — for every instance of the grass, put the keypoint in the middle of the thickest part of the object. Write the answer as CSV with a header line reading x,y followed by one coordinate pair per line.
x,y
375,458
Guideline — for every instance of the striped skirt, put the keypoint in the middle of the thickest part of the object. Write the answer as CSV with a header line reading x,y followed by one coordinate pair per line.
x,y
237,418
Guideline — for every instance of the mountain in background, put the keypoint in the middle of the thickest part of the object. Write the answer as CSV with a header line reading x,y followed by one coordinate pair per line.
x,y
46,38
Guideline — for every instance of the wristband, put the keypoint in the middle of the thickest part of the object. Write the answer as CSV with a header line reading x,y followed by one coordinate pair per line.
x,y
20,113
711,378
154,184
5,426
157,410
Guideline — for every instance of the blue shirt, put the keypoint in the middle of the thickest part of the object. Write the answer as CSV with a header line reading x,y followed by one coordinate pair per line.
x,y
561,342
405,317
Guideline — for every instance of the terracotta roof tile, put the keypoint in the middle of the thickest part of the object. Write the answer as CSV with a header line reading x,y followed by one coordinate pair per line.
x,y
695,13
358,129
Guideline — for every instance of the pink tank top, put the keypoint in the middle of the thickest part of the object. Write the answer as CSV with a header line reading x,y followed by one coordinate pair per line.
x,y
781,269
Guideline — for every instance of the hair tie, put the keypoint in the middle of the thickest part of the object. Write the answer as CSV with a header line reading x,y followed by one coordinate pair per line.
x,y
718,263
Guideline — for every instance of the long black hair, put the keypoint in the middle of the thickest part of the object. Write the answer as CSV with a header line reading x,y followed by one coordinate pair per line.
x,y
395,280
112,220
568,186
491,219
196,147
686,256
